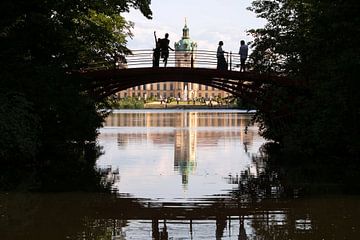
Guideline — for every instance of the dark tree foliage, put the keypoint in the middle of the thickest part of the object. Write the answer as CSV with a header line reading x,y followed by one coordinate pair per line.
x,y
315,42
48,123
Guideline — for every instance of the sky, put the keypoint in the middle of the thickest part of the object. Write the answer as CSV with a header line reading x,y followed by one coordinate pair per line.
x,y
209,21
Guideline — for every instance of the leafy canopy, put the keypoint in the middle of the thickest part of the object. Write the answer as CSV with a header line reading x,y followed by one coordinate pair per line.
x,y
49,123
315,41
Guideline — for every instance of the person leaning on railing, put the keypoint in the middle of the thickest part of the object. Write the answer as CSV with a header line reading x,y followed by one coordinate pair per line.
x,y
221,62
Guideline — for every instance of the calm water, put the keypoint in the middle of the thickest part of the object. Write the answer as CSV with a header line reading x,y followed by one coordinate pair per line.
x,y
178,156
180,175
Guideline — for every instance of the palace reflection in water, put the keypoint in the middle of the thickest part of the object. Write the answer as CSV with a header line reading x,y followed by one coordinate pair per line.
x,y
185,145
205,145
180,175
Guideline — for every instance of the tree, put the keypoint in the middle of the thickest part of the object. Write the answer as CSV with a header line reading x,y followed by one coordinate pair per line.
x,y
316,42
41,43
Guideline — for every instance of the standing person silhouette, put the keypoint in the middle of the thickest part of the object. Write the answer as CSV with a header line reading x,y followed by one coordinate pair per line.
x,y
164,46
221,62
156,52
243,51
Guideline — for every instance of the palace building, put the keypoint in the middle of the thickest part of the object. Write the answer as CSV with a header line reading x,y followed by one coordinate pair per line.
x,y
185,56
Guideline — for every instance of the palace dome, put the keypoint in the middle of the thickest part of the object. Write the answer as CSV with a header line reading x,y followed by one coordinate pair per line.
x,y
185,44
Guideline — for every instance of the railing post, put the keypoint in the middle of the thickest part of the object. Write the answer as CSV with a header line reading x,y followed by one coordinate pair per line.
x,y
230,60
192,58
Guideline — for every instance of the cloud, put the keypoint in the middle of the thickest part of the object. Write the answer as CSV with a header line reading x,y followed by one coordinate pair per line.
x,y
209,22
144,35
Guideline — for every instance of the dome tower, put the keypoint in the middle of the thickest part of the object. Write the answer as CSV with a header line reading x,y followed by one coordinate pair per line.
x,y
185,56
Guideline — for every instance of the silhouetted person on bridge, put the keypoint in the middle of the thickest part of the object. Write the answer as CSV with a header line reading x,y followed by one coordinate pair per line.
x,y
220,226
164,235
155,229
156,53
242,232
164,47
221,62
243,51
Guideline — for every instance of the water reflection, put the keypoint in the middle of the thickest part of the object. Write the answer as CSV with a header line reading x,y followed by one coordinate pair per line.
x,y
180,175
185,145
179,155
98,216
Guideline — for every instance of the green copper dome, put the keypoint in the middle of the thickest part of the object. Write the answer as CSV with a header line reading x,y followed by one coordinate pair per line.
x,y
185,44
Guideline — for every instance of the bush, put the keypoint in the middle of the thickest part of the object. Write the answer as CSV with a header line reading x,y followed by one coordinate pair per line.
x,y
130,103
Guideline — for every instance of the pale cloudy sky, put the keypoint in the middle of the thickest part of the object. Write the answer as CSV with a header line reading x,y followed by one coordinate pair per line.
x,y
209,22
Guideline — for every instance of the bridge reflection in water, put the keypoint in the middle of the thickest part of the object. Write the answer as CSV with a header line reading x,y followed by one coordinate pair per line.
x,y
211,186
208,150
84,216
201,176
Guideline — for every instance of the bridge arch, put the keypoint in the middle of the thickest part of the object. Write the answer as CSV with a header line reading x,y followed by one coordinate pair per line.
x,y
110,75
104,83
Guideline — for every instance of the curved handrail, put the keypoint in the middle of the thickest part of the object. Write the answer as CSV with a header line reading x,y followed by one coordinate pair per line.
x,y
141,58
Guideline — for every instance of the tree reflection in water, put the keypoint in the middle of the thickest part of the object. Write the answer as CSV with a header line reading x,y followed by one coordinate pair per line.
x,y
259,204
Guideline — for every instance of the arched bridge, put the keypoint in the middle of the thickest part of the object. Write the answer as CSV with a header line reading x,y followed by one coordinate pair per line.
x,y
116,74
